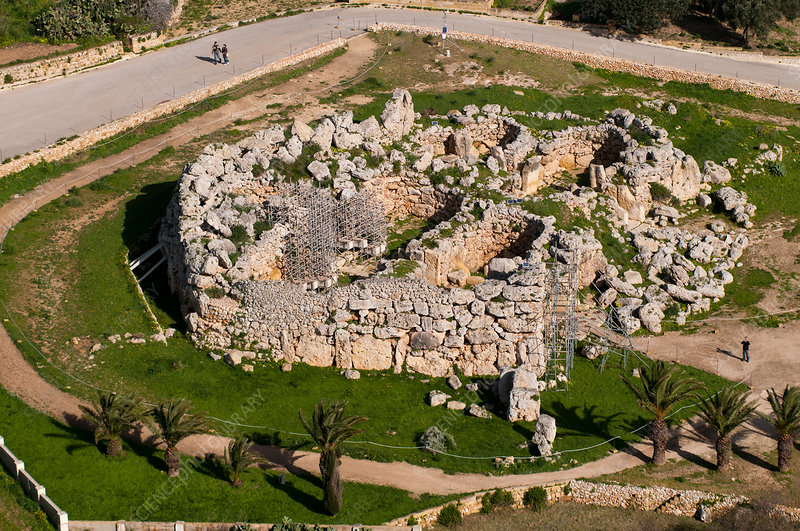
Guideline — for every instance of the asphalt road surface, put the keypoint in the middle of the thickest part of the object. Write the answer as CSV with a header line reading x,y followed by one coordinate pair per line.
x,y
37,115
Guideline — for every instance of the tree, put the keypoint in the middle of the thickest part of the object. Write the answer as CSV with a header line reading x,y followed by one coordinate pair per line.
x,y
329,427
112,415
238,456
786,421
752,16
724,412
661,388
635,15
173,424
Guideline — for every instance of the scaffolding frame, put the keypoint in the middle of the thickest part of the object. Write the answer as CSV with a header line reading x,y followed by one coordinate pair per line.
x,y
319,227
561,317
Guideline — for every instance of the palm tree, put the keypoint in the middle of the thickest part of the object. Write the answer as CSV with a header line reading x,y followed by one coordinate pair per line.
x,y
238,457
329,427
786,408
724,412
173,424
112,415
662,387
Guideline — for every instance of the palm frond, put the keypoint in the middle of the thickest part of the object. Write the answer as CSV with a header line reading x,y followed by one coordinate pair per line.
x,y
112,415
727,409
174,421
329,425
661,387
785,410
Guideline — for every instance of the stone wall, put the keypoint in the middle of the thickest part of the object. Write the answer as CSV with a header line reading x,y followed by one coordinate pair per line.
x,y
85,140
472,504
665,500
140,43
60,65
758,90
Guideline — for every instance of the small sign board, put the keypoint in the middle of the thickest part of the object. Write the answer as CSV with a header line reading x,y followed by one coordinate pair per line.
x,y
444,32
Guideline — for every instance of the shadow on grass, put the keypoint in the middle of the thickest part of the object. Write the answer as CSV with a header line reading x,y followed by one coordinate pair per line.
x,y
143,216
312,503
81,431
753,459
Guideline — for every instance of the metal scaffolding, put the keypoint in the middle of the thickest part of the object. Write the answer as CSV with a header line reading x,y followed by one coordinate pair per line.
x,y
361,222
616,340
561,317
318,226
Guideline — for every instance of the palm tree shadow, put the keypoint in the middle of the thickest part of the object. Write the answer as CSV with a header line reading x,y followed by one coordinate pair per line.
x,y
583,419
312,503
753,459
214,467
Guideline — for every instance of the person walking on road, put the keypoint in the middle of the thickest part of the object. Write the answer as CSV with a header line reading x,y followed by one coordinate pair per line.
x,y
215,52
746,350
225,53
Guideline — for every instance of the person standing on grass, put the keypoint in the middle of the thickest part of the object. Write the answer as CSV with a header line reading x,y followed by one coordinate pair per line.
x,y
746,350
215,52
225,53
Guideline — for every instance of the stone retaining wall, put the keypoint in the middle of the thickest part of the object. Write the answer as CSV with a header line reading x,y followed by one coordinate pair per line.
x,y
664,73
664,500
472,504
58,152
61,65
16,469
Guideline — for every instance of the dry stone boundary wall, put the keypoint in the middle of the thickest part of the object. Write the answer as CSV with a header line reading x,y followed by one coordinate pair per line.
x,y
659,499
90,138
664,73
61,65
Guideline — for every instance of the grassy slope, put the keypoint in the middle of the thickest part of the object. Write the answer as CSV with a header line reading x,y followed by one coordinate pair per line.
x,y
90,487
16,19
17,510
102,301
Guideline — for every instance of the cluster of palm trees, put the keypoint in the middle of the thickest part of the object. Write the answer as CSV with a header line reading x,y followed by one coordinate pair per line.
x,y
662,386
173,421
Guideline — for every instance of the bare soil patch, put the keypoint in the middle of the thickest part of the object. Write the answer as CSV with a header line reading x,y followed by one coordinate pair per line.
x,y
30,50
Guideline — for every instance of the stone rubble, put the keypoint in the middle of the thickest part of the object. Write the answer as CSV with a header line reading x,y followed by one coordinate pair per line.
x,y
428,311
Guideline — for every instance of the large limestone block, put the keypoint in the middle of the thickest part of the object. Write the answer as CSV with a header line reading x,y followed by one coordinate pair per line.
x,y
315,351
372,354
398,114
532,176
545,434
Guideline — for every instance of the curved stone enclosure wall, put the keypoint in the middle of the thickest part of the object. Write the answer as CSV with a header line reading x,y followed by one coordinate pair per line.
x,y
467,294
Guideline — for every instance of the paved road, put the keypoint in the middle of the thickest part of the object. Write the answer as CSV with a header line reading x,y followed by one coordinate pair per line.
x,y
37,115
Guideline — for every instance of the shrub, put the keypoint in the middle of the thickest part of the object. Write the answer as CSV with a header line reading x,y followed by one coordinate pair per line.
x,y
215,292
8,79
449,516
428,39
435,440
239,235
73,202
412,521
660,193
258,170
495,500
535,498
777,169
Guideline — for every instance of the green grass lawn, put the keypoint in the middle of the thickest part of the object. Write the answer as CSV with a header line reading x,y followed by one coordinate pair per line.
x,y
17,510
134,487
53,304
